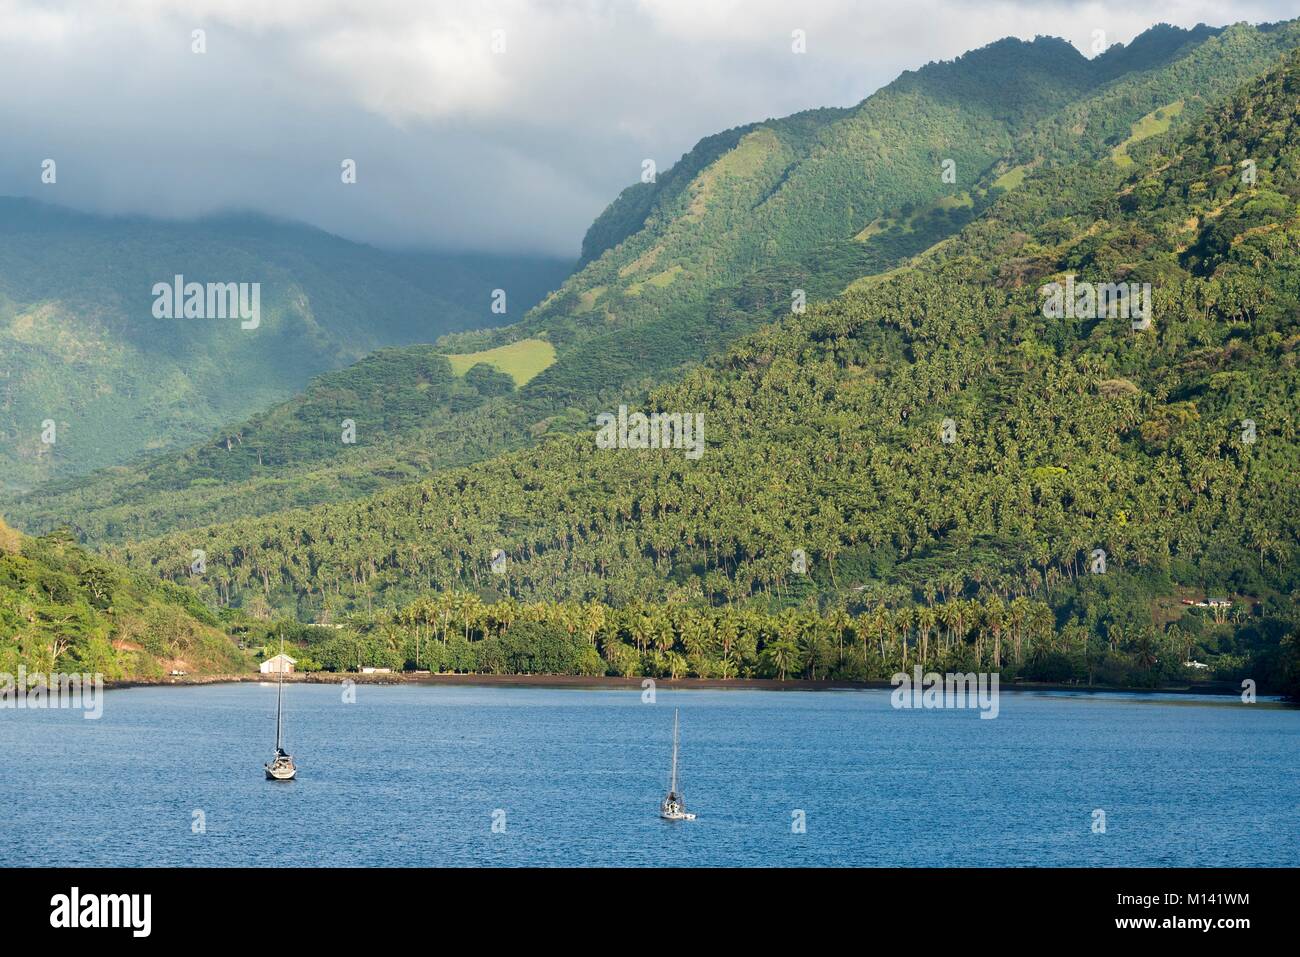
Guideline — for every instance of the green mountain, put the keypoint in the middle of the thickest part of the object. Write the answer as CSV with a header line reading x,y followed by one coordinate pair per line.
x,y
82,348
677,269
934,435
65,610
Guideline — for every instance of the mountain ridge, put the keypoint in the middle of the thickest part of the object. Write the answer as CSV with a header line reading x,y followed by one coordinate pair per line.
x,y
80,346
600,362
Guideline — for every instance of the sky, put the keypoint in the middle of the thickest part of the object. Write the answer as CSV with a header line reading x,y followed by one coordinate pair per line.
x,y
493,125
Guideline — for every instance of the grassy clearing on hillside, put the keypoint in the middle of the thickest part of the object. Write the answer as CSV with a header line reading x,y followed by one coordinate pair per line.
x,y
743,162
658,280
1012,177
1153,124
866,282
873,228
587,299
520,360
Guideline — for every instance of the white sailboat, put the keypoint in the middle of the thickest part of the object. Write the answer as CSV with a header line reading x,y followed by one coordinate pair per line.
x,y
672,808
281,767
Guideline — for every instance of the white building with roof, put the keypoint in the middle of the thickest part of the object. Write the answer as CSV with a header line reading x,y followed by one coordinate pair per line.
x,y
280,663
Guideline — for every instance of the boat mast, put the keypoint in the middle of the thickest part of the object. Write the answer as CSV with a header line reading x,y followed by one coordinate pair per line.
x,y
672,787
279,698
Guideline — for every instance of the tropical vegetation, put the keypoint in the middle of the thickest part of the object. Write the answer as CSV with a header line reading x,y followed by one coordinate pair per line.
x,y
930,468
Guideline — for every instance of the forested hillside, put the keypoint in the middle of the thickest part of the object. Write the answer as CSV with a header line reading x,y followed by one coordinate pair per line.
x,y
90,377
335,440
715,247
935,436
65,610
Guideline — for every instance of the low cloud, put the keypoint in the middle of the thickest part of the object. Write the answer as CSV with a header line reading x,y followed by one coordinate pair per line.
x,y
456,144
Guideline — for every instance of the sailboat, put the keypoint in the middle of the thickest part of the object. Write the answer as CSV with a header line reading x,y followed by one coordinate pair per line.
x,y
672,808
281,767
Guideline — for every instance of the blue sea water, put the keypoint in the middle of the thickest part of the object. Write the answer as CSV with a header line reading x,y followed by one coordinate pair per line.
x,y
415,775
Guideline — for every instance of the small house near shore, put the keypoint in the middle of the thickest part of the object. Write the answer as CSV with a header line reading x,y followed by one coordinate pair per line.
x,y
281,663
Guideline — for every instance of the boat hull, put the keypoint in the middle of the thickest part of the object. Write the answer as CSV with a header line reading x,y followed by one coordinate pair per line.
x,y
281,774
676,816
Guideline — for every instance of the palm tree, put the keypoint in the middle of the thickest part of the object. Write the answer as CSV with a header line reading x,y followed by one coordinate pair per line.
x,y
469,610
1145,649
902,619
995,618
878,622
662,633
925,619
642,629
1017,614
782,655
676,665
813,651
728,633
1114,636
593,621
840,623
694,634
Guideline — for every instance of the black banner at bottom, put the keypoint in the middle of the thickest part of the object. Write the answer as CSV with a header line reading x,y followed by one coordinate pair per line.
x,y
130,906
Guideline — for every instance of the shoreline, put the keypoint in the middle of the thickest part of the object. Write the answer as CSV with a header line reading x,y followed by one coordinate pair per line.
x,y
610,682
